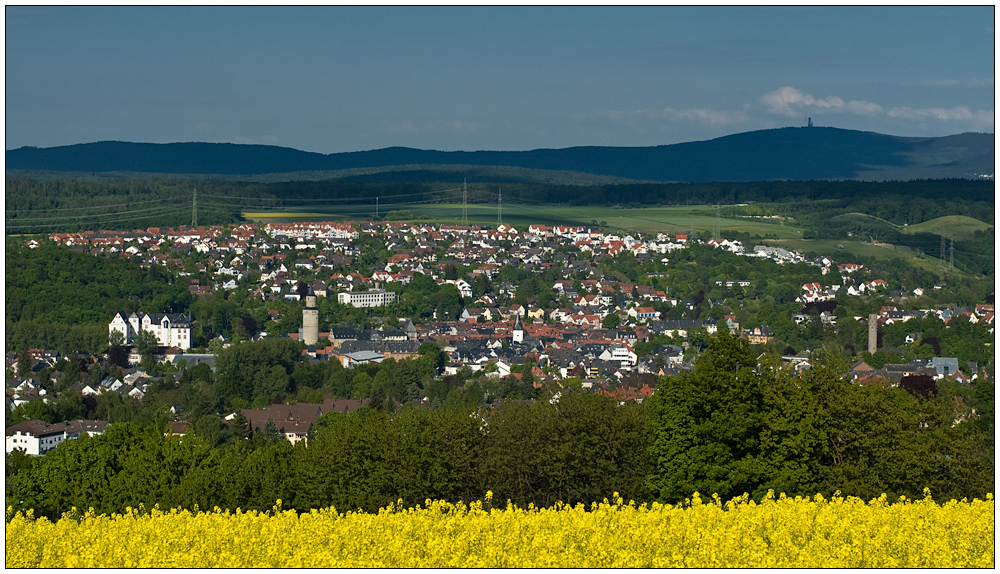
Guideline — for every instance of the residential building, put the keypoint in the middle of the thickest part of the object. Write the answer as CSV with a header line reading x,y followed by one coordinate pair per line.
x,y
373,298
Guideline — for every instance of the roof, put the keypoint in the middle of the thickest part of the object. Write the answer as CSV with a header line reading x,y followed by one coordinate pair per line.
x,y
364,356
90,426
39,428
34,428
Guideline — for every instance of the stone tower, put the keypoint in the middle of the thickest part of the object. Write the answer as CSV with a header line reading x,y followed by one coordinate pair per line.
x,y
518,330
872,333
310,319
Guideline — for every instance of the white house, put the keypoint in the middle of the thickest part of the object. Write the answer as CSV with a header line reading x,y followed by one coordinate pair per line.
x,y
38,437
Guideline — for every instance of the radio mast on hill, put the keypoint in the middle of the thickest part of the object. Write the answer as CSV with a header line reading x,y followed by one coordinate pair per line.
x,y
500,207
194,208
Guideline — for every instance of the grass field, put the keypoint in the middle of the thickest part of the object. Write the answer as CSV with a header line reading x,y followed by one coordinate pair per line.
x,y
953,226
651,220
281,216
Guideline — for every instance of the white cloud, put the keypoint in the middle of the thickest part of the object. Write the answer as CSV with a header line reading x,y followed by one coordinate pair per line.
x,y
792,102
959,113
980,120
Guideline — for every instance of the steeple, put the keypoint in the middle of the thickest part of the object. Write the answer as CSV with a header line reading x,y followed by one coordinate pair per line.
x,y
518,331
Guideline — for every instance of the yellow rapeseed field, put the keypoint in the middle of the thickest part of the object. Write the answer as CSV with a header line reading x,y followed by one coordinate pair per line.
x,y
776,533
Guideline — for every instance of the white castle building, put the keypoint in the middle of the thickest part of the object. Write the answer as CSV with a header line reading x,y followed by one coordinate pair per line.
x,y
171,329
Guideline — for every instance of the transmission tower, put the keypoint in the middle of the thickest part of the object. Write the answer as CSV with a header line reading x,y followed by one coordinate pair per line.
x,y
500,207
942,249
194,208
465,204
952,252
376,207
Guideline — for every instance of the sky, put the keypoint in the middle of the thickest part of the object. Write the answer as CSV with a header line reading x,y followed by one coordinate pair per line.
x,y
335,79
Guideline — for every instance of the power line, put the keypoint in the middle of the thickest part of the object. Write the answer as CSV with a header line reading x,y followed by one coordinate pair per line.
x,y
130,203
86,216
104,222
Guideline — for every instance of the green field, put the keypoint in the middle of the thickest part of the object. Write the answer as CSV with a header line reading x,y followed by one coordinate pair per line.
x,y
650,220
953,226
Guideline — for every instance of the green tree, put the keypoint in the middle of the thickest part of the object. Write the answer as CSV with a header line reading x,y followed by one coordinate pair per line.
x,y
146,345
610,321
23,362
116,338
127,465
257,371
706,425
576,448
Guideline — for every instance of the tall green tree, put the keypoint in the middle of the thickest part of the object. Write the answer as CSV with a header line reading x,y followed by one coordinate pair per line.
x,y
707,425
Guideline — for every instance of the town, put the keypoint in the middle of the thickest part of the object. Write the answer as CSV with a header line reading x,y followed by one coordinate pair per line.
x,y
583,322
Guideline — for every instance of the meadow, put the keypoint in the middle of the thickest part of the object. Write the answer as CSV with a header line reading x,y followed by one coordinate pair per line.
x,y
953,226
774,533
650,220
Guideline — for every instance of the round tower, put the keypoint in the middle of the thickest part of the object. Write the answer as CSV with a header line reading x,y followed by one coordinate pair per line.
x,y
310,319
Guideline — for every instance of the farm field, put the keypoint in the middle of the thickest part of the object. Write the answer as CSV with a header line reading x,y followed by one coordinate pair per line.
x,y
774,533
651,220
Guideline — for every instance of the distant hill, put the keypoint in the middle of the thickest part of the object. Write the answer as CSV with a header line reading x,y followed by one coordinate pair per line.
x,y
813,153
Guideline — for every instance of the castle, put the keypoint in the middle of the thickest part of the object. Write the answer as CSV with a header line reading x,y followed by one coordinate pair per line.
x,y
171,329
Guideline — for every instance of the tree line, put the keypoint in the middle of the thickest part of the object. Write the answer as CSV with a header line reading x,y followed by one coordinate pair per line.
x,y
732,425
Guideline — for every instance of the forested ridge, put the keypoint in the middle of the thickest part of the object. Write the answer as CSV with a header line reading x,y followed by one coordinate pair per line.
x,y
774,154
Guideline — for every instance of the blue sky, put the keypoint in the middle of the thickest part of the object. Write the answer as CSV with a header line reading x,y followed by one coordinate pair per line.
x,y
333,79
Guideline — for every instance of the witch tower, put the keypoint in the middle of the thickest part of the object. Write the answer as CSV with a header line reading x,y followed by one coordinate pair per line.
x,y
310,319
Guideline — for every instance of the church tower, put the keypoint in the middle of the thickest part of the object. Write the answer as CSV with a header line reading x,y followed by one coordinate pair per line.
x,y
310,319
518,330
